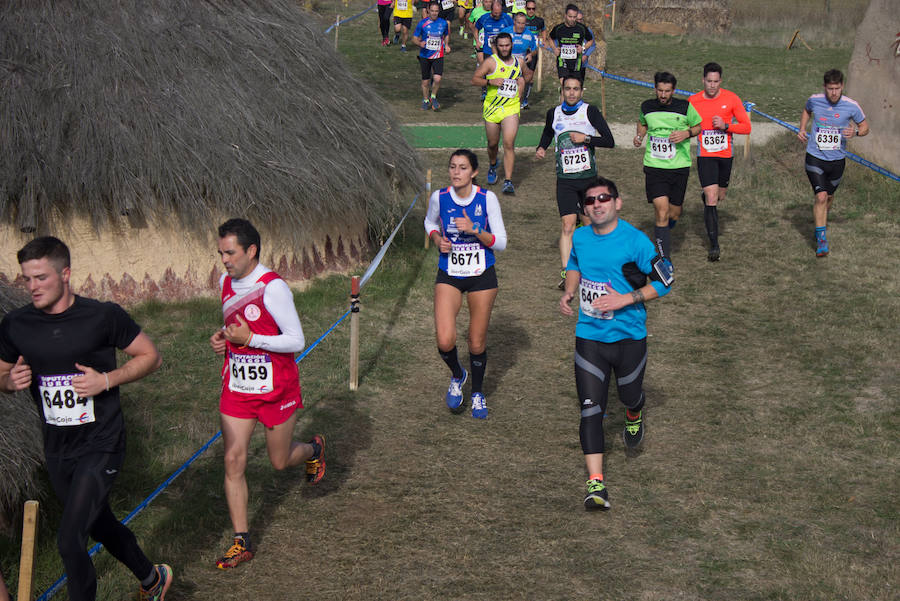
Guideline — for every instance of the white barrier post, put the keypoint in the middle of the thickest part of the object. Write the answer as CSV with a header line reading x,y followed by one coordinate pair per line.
x,y
337,27
603,95
29,550
540,68
354,332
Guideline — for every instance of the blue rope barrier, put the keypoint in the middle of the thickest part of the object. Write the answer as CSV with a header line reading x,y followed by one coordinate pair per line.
x,y
750,108
322,337
377,260
339,23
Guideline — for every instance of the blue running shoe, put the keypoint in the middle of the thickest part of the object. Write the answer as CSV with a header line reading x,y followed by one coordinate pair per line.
x,y
455,393
435,105
403,48
483,94
426,105
479,406
492,174
821,247
508,187
524,104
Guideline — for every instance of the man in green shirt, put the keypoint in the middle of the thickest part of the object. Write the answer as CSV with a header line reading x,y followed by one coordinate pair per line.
x,y
669,124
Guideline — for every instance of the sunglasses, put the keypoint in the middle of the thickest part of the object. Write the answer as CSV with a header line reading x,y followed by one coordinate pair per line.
x,y
589,200
530,8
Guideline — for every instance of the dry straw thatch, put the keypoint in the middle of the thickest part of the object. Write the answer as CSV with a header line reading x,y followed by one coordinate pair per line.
x,y
191,109
21,454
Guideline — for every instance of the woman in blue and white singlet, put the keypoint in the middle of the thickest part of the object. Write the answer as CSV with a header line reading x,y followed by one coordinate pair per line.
x,y
465,223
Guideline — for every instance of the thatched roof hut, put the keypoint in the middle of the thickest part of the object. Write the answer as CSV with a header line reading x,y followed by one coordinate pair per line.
x,y
21,453
131,128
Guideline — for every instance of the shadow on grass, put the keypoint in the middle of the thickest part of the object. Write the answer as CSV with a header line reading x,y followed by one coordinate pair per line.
x,y
504,327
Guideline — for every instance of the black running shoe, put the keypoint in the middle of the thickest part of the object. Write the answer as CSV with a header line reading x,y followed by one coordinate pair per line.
x,y
713,254
633,433
597,497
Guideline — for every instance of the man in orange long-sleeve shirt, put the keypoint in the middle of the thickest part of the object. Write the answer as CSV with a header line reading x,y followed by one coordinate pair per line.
x,y
723,115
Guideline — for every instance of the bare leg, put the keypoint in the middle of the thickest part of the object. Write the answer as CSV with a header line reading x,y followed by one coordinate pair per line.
x,y
510,128
236,434
284,451
447,302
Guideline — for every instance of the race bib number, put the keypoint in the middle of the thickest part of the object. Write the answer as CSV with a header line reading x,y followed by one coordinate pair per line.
x,y
509,3
828,138
575,160
402,4
508,89
62,405
714,140
661,148
491,39
590,291
465,260
433,43
519,5
250,374
481,38
447,4
568,52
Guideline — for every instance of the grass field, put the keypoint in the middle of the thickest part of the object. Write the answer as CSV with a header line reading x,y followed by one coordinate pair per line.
x,y
770,468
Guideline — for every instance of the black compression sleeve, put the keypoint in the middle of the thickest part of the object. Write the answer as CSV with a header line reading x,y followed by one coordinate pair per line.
x,y
605,139
547,134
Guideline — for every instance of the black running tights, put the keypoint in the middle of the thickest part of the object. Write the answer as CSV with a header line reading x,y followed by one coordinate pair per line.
x,y
384,19
82,485
594,361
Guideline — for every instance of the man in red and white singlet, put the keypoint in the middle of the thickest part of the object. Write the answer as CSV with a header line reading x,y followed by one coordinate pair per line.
x,y
260,380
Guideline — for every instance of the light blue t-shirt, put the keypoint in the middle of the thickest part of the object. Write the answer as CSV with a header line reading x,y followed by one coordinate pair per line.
x,y
599,258
522,43
828,120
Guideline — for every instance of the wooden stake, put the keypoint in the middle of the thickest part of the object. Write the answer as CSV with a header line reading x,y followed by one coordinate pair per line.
x,y
29,550
540,68
612,26
427,197
747,141
354,332
337,28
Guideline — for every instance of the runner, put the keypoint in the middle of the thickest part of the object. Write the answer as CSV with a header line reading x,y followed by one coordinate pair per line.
x,y
62,347
719,108
589,50
463,8
478,34
524,48
571,39
502,74
488,26
260,382
384,20
432,36
608,270
403,12
535,25
464,222
670,122
577,128
835,120
447,12
513,7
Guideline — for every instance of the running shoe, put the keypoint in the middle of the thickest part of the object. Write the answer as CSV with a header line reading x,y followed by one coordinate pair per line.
x,y
461,30
237,553
158,592
562,282
483,94
492,174
508,187
426,105
315,466
524,104
597,497
455,393
713,254
396,38
385,42
466,37
479,406
633,433
821,247
435,105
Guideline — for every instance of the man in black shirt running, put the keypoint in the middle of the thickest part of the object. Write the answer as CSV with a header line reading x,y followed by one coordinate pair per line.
x,y
62,347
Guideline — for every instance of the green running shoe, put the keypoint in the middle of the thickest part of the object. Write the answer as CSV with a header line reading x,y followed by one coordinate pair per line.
x,y
597,497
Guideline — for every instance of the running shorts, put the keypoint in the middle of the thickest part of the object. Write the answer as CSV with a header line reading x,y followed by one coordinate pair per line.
x,y
824,176
431,65
714,171
570,194
486,281
498,114
666,182
404,21
269,413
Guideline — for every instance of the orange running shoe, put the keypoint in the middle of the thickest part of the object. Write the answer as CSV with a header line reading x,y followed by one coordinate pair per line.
x,y
315,468
237,553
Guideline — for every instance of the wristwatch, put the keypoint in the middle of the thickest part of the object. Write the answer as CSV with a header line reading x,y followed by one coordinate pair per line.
x,y
587,140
